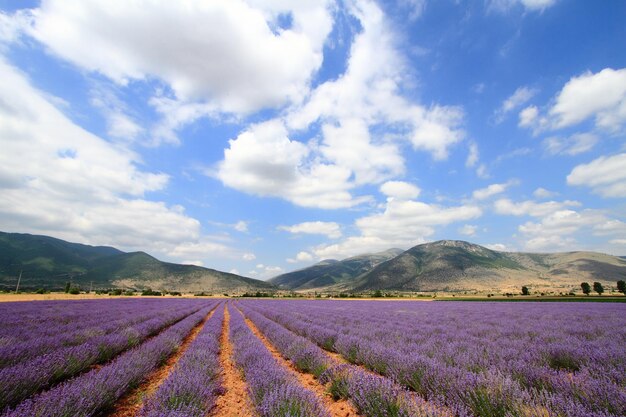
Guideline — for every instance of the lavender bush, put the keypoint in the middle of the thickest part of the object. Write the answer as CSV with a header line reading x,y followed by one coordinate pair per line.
x,y
94,391
23,379
484,359
191,389
274,392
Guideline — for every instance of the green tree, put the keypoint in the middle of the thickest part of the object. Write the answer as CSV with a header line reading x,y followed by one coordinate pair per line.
x,y
586,287
68,285
621,286
525,290
597,287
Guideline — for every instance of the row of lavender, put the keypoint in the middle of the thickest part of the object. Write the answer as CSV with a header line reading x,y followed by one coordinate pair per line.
x,y
372,396
490,359
191,389
98,388
274,392
28,330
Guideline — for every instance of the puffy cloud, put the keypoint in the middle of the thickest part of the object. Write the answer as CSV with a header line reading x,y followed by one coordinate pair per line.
x,y
349,151
468,230
349,145
301,257
412,218
58,179
606,175
400,190
222,51
265,272
248,256
330,229
241,226
521,96
369,91
531,208
543,193
601,95
402,224
491,190
556,230
558,226
528,117
264,161
573,145
200,248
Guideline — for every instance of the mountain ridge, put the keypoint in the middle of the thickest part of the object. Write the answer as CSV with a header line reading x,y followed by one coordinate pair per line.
x,y
330,272
47,262
456,265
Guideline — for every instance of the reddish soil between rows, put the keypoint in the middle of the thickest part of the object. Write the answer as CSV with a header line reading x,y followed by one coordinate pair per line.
x,y
130,404
235,401
341,408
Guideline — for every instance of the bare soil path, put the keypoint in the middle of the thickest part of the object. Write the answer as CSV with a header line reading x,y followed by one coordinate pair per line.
x,y
341,408
130,404
235,401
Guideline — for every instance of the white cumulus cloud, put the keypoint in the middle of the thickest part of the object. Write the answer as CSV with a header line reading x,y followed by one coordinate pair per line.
x,y
400,190
329,229
402,224
74,185
573,145
601,95
491,190
521,96
219,51
606,175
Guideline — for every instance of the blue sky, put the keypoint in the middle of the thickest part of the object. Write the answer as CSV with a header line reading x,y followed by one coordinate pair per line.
x,y
262,136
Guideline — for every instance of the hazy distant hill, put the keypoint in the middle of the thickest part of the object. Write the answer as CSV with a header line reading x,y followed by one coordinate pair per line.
x,y
331,272
458,265
49,263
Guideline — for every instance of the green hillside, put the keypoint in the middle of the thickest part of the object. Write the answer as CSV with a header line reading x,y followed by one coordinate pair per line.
x,y
46,262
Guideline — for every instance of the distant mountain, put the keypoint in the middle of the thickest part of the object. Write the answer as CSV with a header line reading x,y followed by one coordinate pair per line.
x,y
49,263
332,272
457,265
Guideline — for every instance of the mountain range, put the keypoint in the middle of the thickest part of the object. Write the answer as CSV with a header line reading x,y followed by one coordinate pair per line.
x,y
451,265
47,262
446,265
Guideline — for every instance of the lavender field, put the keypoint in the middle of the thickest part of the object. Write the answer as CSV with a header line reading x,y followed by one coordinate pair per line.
x,y
173,357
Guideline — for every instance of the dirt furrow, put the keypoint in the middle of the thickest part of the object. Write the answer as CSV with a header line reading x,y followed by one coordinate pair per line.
x,y
130,404
235,401
341,408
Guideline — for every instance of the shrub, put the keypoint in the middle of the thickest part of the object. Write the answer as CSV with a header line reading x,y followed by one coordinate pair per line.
x,y
74,291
